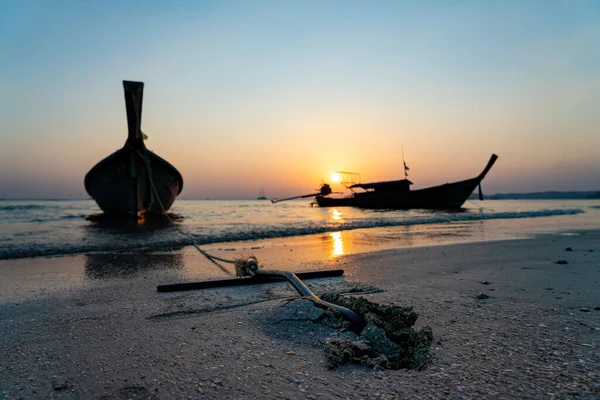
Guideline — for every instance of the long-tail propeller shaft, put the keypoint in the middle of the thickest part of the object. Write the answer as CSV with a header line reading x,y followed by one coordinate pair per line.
x,y
324,190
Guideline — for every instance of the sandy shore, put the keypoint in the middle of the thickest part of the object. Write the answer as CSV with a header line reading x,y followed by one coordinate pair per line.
x,y
94,327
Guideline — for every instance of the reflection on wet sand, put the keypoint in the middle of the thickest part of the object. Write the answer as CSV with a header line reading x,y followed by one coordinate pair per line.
x,y
422,235
338,244
116,238
117,265
343,243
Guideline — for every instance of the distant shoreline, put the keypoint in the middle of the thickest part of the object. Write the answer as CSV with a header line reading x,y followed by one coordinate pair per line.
x,y
550,195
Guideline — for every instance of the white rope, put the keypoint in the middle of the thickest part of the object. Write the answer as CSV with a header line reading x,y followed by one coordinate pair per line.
x,y
478,206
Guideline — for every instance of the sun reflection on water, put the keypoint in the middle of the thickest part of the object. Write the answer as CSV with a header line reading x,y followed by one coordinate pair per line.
x,y
338,244
336,215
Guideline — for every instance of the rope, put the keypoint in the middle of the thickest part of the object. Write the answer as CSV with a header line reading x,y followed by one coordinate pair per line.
x,y
244,266
478,206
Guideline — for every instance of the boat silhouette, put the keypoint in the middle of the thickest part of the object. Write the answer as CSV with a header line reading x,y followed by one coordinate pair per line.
x,y
133,180
398,195
261,194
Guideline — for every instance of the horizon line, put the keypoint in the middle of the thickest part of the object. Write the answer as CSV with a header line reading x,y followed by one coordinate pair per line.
x,y
595,191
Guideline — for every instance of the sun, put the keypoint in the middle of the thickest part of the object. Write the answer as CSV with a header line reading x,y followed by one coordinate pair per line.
x,y
336,178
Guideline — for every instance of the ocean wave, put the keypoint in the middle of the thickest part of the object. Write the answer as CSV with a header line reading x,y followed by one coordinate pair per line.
x,y
169,238
286,231
25,207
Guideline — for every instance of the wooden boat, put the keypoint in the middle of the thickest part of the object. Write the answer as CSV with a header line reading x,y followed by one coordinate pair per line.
x,y
397,194
133,180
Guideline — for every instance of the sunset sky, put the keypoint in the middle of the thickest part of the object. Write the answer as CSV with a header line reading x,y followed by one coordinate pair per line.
x,y
279,94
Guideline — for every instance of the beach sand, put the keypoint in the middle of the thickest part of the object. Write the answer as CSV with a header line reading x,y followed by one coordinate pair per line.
x,y
93,326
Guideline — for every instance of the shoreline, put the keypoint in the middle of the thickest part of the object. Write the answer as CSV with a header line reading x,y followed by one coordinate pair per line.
x,y
115,336
44,275
75,236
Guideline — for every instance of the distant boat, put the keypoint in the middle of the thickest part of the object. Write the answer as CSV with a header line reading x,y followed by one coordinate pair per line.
x,y
397,194
133,180
261,194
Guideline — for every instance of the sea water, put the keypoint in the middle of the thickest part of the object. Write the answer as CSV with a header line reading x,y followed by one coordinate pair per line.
x,y
31,228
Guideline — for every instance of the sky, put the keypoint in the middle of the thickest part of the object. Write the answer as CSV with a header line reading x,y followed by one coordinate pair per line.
x,y
243,95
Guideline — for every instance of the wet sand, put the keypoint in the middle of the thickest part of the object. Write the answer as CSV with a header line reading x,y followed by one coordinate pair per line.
x,y
93,326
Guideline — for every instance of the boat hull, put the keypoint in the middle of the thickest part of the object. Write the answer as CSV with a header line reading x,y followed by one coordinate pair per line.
x,y
448,196
121,183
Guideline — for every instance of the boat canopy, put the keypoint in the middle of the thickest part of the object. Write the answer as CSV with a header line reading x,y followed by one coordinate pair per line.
x,y
384,186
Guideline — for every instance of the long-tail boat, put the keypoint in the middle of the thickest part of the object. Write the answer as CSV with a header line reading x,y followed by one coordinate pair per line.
x,y
133,180
397,194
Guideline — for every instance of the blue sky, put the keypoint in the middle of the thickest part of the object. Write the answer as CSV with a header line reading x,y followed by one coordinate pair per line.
x,y
278,94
